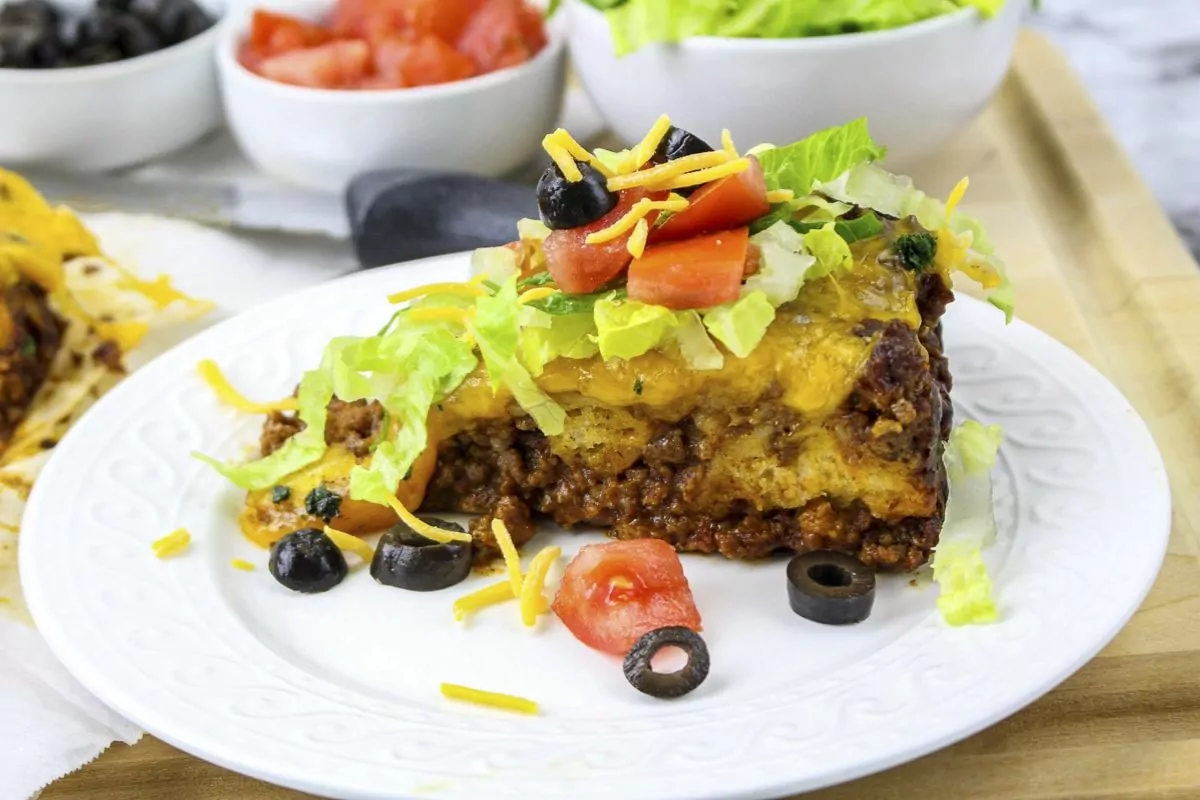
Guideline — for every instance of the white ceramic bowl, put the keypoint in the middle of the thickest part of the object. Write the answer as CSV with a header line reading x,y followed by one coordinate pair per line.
x,y
89,119
321,138
918,85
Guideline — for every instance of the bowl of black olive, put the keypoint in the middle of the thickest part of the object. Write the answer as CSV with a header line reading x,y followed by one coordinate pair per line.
x,y
91,85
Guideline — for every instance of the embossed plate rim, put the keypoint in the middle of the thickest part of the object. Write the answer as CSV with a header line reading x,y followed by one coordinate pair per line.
x,y
100,663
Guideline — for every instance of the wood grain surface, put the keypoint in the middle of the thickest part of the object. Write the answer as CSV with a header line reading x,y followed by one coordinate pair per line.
x,y
1098,266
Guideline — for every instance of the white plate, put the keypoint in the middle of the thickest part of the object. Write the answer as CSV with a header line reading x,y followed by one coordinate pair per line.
x,y
337,694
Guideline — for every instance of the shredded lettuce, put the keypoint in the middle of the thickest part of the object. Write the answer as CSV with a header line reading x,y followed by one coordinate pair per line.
x,y
694,345
497,264
783,266
820,157
637,23
872,187
830,250
545,337
958,567
866,226
628,328
497,330
741,325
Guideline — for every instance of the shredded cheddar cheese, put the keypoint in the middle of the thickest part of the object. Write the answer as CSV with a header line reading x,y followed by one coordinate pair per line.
x,y
212,375
727,143
579,152
242,564
350,543
512,561
487,596
708,175
780,196
535,294
663,173
126,335
637,239
504,702
645,149
172,544
628,222
562,157
468,289
424,528
956,196
531,599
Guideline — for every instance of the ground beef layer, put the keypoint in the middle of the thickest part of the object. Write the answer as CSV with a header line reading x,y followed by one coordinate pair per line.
x,y
30,336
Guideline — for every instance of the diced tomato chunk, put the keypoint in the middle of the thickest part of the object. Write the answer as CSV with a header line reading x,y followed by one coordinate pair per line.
x,y
497,36
728,203
579,267
445,19
695,273
273,34
335,65
424,62
612,594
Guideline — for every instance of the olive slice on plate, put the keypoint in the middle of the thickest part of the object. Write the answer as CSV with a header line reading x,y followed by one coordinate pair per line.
x,y
307,561
679,143
407,560
830,587
641,675
565,204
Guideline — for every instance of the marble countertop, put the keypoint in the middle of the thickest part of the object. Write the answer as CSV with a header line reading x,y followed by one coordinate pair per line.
x,y
1140,59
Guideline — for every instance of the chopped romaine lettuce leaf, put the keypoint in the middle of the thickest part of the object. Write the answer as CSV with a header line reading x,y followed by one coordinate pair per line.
x,y
535,280
316,390
497,331
637,23
820,157
563,303
545,337
494,263
741,325
694,345
830,250
532,230
628,328
855,230
958,566
783,266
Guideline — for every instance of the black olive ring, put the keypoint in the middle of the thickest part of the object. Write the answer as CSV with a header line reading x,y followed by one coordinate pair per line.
x,y
830,587
407,560
665,685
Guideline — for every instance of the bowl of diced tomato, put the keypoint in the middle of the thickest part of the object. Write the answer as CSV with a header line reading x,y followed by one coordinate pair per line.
x,y
318,91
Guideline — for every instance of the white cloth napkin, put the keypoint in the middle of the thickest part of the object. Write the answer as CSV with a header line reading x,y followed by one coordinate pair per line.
x,y
49,724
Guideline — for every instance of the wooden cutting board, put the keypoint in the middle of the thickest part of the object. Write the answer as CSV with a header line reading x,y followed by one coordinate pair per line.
x,y
1098,266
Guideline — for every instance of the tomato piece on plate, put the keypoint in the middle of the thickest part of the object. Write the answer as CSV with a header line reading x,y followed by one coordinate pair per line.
x,y
579,267
612,594
719,206
273,34
336,65
497,36
695,273
424,62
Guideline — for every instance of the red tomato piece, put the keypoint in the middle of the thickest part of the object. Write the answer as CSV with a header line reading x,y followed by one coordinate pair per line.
x,y
695,273
424,62
612,594
445,19
273,34
719,206
347,18
336,65
579,267
496,36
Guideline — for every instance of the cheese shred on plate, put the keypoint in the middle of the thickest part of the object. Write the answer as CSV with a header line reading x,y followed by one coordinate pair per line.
x,y
671,170
242,564
709,175
512,561
532,602
637,239
564,139
504,702
727,143
172,544
562,158
645,149
350,543
212,375
425,529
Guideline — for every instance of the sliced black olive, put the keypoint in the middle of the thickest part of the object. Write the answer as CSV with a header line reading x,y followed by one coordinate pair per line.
x,y
93,54
307,561
97,28
407,560
323,503
641,675
830,587
18,47
679,143
563,204
174,20
36,13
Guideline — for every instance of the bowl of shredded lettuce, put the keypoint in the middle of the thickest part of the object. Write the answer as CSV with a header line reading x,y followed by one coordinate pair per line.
x,y
920,70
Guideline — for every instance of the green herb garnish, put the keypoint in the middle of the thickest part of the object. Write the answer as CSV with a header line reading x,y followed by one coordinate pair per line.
x,y
280,493
323,503
916,250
